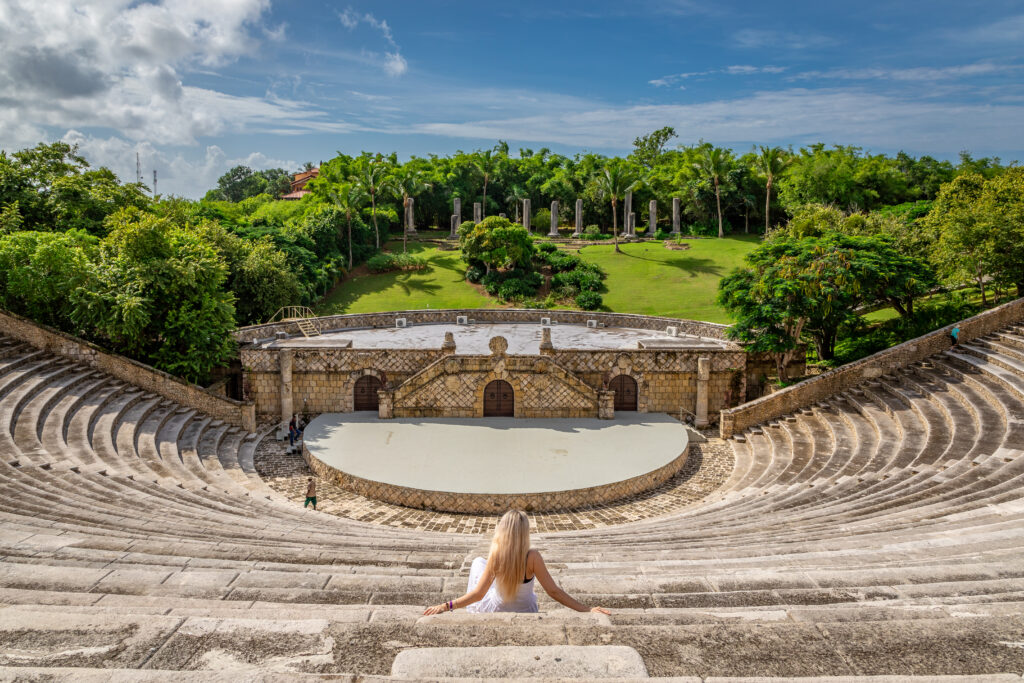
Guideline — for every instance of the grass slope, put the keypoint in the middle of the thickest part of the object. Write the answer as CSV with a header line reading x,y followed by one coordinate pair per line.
x,y
652,280
441,285
647,278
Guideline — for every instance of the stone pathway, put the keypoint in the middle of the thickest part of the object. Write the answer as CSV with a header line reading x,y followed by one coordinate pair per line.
x,y
709,464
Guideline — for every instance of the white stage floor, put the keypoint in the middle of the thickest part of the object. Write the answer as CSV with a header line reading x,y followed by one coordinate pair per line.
x,y
501,455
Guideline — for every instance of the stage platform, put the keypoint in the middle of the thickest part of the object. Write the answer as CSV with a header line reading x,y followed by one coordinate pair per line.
x,y
487,465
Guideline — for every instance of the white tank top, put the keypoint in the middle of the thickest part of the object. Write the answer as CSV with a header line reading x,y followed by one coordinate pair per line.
x,y
525,599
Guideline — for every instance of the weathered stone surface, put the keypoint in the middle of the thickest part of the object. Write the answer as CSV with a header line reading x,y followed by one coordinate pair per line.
x,y
554,661
553,232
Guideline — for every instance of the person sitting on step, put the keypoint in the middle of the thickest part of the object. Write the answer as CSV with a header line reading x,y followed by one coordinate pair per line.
x,y
504,581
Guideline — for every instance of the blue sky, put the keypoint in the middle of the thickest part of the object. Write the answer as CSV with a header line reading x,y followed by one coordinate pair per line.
x,y
195,86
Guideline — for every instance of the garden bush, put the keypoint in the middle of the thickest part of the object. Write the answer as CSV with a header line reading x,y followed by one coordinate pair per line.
x,y
541,220
384,262
589,301
547,247
661,234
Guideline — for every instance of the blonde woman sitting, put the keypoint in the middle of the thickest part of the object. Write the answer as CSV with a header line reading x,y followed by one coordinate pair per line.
x,y
504,581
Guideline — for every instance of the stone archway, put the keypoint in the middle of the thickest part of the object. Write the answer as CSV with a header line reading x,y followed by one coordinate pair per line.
x,y
364,393
625,388
499,399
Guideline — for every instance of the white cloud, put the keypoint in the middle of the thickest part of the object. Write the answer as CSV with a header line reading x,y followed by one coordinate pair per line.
x,y
176,174
391,60
797,116
735,70
1008,30
753,38
118,65
920,73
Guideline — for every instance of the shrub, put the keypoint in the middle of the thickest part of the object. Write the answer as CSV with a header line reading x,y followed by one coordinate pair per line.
x,y
514,289
547,247
592,230
541,220
474,274
384,262
563,262
589,301
661,234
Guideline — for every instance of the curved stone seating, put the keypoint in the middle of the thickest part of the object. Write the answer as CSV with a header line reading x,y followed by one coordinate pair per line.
x,y
892,511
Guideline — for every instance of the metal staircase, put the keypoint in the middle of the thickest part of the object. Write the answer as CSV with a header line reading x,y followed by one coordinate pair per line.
x,y
302,316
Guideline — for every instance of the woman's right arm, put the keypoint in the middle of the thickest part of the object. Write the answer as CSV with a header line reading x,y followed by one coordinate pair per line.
x,y
475,595
540,570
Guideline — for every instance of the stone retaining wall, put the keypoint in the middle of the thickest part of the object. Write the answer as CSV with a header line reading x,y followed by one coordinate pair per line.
x,y
53,341
486,315
491,503
819,388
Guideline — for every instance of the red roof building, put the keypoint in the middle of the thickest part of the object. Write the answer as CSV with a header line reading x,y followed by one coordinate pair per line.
x,y
299,181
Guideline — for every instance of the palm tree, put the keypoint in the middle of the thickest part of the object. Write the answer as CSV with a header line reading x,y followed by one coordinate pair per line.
x,y
409,182
614,182
373,179
486,163
515,196
772,161
348,198
715,164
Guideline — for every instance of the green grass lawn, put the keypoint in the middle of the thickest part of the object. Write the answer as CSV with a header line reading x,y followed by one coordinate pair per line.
x,y
441,285
646,278
652,280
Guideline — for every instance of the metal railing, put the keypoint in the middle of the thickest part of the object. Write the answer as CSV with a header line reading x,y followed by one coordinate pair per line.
x,y
286,313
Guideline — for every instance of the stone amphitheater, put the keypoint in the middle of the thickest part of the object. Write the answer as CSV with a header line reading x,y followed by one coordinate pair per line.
x,y
871,524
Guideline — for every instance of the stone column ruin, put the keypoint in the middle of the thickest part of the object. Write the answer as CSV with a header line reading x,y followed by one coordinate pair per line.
x,y
477,212
700,418
546,347
526,215
455,226
554,219
579,218
652,218
675,215
285,360
410,222
458,210
631,224
627,210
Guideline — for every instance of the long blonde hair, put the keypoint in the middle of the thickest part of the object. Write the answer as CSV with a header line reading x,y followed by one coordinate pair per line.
x,y
509,547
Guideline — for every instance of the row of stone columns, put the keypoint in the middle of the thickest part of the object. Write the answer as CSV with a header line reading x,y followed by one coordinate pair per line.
x,y
629,226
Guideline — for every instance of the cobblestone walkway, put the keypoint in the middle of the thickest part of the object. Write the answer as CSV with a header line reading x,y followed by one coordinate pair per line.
x,y
709,464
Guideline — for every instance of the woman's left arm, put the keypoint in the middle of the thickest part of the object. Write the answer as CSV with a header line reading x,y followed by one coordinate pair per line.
x,y
475,595
540,570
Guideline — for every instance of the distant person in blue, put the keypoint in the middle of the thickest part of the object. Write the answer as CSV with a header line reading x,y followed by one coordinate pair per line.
x,y
955,336
295,428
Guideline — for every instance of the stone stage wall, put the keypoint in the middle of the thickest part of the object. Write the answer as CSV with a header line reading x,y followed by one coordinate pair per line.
x,y
491,503
810,391
328,323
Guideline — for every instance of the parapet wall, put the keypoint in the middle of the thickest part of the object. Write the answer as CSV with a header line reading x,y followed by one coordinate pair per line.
x,y
238,413
486,315
823,386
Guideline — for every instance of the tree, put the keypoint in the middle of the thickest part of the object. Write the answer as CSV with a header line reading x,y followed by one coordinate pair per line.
x,y
373,179
158,294
715,163
409,182
349,197
772,161
496,243
241,182
42,273
486,163
647,149
613,183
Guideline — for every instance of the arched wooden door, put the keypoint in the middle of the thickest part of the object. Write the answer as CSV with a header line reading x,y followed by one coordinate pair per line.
x,y
624,387
366,390
499,399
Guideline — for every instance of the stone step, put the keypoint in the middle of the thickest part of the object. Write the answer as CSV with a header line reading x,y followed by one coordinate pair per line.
x,y
592,662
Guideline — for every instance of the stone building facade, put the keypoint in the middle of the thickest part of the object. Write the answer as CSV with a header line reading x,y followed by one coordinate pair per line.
x,y
441,382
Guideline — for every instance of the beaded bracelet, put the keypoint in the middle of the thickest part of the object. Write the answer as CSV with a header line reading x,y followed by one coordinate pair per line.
x,y
451,607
